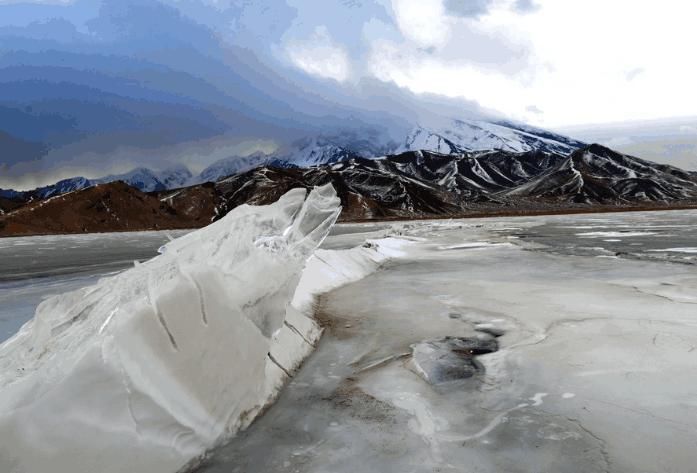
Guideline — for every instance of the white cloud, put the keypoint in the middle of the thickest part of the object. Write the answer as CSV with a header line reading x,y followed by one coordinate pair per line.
x,y
320,56
422,21
579,61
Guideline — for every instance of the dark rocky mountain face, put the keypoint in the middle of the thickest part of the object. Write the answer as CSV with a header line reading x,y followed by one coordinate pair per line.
x,y
420,183
598,175
408,185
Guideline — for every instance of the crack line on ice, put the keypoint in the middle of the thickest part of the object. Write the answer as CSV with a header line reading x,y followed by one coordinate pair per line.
x,y
546,332
201,299
127,387
639,412
161,318
602,444
275,362
661,296
290,326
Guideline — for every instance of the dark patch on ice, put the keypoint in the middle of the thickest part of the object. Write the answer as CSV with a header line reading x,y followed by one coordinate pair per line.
x,y
339,327
359,404
451,358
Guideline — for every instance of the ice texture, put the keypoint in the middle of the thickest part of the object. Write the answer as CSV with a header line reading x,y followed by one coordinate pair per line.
x,y
148,369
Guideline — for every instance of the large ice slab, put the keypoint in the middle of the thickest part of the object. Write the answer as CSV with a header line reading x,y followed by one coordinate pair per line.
x,y
146,370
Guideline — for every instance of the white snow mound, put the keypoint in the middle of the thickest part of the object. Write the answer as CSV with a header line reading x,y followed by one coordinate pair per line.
x,y
148,369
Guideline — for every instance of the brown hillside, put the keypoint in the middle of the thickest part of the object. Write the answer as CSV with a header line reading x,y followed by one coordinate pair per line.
x,y
108,207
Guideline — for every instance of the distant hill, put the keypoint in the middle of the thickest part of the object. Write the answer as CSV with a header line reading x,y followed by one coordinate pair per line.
x,y
114,206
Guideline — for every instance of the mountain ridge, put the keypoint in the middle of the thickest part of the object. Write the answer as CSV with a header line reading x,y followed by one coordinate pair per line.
x,y
413,184
452,137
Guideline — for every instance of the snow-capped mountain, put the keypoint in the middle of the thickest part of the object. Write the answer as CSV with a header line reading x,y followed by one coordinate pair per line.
x,y
307,152
62,187
474,135
315,151
229,166
143,179
147,180
175,177
452,137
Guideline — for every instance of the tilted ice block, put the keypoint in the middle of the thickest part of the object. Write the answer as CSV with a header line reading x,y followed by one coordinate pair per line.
x,y
147,369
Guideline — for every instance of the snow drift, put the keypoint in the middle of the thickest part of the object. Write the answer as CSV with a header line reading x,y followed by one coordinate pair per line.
x,y
148,369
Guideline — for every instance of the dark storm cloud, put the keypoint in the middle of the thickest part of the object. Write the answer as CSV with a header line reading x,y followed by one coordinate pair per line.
x,y
475,8
92,85
468,8
525,6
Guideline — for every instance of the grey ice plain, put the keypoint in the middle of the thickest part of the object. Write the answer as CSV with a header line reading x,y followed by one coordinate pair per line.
x,y
595,371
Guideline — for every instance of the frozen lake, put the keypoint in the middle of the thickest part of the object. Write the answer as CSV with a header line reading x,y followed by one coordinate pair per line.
x,y
596,371
596,368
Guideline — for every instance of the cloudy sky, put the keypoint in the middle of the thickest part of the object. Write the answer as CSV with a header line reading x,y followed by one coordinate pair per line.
x,y
98,86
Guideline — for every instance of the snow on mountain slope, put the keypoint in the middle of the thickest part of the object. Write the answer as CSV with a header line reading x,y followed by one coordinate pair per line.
x,y
143,179
449,137
304,153
229,166
121,360
147,180
175,177
559,181
598,174
62,187
315,151
422,183
458,136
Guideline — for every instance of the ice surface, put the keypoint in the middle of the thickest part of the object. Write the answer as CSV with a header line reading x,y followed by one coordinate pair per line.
x,y
595,370
146,370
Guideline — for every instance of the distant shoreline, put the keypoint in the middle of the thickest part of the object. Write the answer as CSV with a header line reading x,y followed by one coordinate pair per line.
x,y
484,214
529,213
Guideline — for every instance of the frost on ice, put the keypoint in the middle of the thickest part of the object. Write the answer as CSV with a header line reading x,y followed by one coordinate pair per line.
x,y
148,369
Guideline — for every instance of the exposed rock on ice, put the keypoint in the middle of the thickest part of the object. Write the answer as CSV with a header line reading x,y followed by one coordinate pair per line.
x,y
148,369
450,358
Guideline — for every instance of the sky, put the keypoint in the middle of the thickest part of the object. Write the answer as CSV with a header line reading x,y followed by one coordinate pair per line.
x,y
93,87
672,140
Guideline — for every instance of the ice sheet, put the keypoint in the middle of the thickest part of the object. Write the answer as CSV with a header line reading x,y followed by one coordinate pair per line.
x,y
594,372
